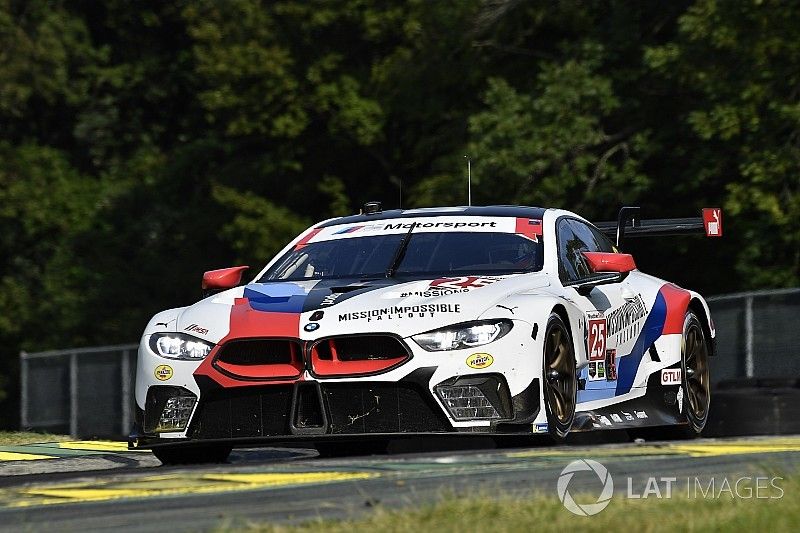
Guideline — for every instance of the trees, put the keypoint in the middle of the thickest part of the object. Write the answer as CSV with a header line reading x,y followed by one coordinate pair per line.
x,y
739,65
145,142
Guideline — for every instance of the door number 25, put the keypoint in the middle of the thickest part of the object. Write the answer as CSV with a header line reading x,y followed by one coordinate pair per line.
x,y
597,339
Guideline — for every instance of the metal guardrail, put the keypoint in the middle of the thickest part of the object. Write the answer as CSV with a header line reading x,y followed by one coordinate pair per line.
x,y
89,391
757,334
86,392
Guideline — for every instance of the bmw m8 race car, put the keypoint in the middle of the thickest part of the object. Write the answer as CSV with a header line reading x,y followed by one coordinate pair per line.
x,y
496,320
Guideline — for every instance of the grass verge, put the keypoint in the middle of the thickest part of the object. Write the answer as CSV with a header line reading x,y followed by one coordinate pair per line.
x,y
18,438
544,512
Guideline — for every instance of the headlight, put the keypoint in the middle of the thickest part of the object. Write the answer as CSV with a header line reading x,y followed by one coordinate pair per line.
x,y
179,346
468,335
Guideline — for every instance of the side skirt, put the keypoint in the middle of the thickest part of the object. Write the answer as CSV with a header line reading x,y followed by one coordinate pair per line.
x,y
661,405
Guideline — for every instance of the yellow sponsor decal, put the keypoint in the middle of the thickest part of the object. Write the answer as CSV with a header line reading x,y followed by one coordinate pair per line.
x,y
480,360
163,372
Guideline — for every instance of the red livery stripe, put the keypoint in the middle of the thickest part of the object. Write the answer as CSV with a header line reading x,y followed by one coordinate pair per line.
x,y
307,237
246,322
529,227
677,301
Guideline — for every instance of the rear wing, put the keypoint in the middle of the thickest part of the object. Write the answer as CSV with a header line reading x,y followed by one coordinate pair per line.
x,y
629,224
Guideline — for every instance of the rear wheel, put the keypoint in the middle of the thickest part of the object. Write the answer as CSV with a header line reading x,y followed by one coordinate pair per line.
x,y
560,380
193,455
695,378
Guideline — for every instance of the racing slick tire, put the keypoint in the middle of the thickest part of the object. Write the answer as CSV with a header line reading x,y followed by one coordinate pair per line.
x,y
695,380
193,455
560,381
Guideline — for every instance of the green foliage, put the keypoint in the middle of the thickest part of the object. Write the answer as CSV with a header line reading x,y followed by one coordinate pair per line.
x,y
550,147
43,52
259,228
245,73
143,143
44,204
334,189
741,61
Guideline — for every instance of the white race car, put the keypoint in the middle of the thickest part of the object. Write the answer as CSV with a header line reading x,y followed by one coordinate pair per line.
x,y
498,320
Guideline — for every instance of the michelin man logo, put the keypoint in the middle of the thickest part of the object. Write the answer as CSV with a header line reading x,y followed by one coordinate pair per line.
x,y
586,509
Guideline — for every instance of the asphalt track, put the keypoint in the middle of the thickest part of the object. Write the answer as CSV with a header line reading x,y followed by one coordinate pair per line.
x,y
101,486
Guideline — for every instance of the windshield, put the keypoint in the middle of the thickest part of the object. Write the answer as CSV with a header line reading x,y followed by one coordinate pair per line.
x,y
445,253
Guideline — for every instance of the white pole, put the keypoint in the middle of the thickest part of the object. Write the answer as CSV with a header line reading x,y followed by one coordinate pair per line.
x,y
125,369
749,362
23,367
73,395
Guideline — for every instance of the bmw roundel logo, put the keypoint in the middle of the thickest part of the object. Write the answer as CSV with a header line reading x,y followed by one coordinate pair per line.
x,y
311,326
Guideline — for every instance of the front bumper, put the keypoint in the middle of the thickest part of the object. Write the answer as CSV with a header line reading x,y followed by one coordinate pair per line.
x,y
409,398
322,411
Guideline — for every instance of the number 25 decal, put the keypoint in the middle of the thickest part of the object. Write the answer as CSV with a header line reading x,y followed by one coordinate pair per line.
x,y
463,282
597,339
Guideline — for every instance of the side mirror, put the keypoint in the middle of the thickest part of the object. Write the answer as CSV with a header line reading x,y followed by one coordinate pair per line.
x,y
610,262
607,268
224,278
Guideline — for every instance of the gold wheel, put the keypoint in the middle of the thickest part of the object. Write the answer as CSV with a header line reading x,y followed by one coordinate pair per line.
x,y
694,366
560,379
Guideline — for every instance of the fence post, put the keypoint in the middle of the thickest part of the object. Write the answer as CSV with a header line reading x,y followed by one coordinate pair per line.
x,y
73,394
23,376
126,391
749,363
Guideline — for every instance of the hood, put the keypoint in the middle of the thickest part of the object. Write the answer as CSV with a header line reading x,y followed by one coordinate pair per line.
x,y
340,306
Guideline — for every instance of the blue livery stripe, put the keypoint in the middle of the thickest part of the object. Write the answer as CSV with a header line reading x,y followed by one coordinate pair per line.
x,y
348,230
600,389
628,365
276,297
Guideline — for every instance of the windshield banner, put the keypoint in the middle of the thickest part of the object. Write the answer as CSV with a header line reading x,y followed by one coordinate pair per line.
x,y
422,225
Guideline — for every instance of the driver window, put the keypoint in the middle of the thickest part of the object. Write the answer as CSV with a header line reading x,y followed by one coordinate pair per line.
x,y
575,237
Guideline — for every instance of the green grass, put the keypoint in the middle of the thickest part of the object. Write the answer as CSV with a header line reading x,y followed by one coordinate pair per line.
x,y
17,438
544,512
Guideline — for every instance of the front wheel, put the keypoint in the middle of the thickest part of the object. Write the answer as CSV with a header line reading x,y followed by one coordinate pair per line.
x,y
560,381
193,455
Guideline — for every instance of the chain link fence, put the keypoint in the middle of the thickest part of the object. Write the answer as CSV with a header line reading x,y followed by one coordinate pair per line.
x,y
88,392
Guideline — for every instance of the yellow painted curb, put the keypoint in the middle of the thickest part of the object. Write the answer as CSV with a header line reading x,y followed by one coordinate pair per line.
x,y
709,449
95,445
166,485
15,456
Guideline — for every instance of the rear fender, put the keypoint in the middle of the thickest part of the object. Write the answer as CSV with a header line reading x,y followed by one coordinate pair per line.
x,y
699,305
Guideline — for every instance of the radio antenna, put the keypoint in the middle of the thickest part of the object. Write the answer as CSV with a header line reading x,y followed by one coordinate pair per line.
x,y
398,182
469,180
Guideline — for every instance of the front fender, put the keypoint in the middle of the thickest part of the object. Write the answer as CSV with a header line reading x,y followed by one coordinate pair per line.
x,y
535,309
165,321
